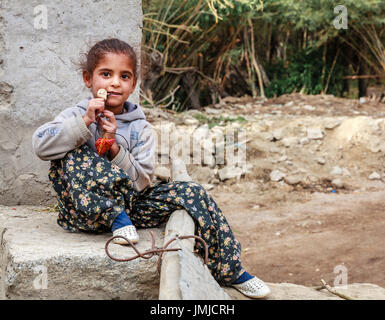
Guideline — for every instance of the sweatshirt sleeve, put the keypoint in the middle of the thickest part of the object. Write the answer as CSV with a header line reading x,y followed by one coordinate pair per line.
x,y
54,139
139,163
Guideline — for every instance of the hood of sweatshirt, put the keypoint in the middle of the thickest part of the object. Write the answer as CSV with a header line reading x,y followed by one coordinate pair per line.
x,y
132,111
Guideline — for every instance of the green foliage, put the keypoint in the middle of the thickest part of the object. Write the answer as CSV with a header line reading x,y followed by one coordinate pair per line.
x,y
306,72
315,15
220,41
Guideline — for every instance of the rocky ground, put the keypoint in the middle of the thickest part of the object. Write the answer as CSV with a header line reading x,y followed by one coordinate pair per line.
x,y
308,202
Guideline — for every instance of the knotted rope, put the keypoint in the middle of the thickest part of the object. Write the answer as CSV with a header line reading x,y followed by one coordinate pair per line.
x,y
154,251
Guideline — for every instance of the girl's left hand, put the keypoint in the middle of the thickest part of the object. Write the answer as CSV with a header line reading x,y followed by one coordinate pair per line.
x,y
108,125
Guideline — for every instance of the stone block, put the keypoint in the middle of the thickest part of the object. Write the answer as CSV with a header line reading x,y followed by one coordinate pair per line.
x,y
39,260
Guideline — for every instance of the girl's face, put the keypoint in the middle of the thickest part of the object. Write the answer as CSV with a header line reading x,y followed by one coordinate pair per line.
x,y
115,73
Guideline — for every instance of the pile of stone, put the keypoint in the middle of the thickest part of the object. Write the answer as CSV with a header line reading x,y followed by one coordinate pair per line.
x,y
295,149
212,155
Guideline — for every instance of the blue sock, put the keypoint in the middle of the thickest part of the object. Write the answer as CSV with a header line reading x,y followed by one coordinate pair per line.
x,y
121,221
243,278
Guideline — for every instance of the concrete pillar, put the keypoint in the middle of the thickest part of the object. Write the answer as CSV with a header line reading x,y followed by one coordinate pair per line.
x,y
183,276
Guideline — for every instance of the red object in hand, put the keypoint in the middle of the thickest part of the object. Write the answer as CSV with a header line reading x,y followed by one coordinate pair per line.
x,y
103,145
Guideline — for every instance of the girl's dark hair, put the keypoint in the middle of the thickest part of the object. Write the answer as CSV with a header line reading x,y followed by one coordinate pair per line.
x,y
91,59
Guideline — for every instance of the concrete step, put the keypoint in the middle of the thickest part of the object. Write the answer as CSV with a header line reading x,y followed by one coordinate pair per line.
x,y
39,260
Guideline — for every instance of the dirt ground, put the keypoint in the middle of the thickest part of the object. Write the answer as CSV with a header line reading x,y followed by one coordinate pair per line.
x,y
303,230
302,241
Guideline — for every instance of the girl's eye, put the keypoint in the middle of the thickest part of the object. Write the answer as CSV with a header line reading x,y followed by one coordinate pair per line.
x,y
125,76
106,74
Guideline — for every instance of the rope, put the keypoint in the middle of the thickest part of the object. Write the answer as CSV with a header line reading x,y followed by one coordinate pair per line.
x,y
153,251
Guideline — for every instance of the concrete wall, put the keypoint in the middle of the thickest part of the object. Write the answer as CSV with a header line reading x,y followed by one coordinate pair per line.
x,y
38,78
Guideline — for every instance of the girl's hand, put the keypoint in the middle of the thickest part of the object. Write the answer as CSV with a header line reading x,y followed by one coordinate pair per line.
x,y
109,131
108,125
95,106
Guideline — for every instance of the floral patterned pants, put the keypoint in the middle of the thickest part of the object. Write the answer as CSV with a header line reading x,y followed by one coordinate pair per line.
x,y
92,192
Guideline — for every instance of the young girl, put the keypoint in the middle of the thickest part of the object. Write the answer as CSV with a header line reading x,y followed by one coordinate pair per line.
x,y
113,191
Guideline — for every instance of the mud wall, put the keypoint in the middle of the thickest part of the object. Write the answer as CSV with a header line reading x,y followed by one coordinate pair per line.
x,y
39,41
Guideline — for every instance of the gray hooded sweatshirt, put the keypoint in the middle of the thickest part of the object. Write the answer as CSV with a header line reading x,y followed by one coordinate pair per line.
x,y
67,131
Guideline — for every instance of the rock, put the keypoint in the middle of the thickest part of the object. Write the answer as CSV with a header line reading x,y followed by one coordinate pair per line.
x,y
267,136
277,134
303,141
162,173
293,179
314,133
346,172
207,186
230,100
336,171
332,123
275,150
337,183
362,100
321,161
289,104
309,107
179,170
374,176
236,125
230,172
276,175
202,174
215,181
375,149
290,142
191,121
213,111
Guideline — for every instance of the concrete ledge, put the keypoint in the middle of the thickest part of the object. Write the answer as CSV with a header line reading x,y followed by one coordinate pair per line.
x,y
290,291
39,260
179,224
196,282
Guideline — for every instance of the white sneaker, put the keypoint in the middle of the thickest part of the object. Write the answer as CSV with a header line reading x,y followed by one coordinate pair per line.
x,y
129,232
253,288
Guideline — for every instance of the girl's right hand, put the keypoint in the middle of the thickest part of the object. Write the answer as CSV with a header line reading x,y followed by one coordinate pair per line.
x,y
95,106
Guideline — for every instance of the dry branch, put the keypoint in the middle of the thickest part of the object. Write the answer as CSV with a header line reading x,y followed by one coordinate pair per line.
x,y
334,291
